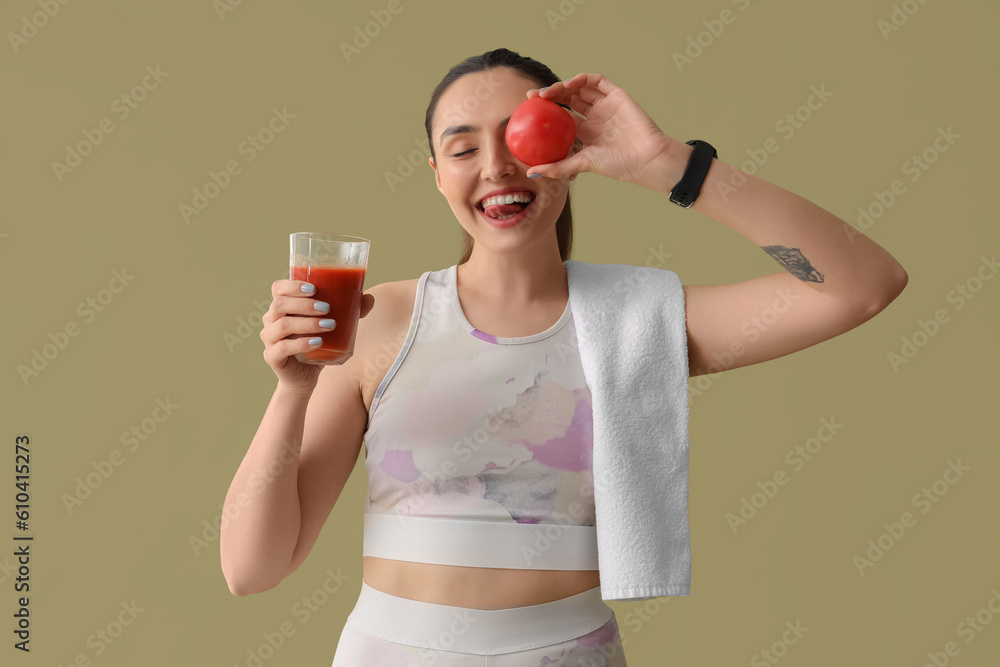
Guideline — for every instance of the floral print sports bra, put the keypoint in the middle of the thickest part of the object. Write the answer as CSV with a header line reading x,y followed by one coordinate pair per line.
x,y
479,448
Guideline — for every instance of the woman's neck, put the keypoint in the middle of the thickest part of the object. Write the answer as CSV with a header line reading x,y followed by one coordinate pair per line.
x,y
510,282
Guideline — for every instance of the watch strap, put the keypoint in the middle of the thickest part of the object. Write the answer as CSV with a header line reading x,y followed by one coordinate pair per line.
x,y
686,191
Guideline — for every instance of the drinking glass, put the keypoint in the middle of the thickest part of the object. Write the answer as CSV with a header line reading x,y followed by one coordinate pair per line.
x,y
336,265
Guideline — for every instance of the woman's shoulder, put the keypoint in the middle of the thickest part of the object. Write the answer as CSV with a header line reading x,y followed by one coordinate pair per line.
x,y
381,332
394,304
395,297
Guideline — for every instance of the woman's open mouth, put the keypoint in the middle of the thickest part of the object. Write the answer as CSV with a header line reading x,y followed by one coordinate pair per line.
x,y
506,210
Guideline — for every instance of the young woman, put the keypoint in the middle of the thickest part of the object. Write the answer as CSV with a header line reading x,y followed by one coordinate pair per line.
x,y
473,433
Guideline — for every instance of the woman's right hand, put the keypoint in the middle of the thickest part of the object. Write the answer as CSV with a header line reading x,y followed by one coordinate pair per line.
x,y
289,323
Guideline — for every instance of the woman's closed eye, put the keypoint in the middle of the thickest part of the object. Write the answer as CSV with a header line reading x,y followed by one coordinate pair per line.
x,y
463,152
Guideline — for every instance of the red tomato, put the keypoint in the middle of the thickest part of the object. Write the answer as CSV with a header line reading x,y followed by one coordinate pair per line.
x,y
540,131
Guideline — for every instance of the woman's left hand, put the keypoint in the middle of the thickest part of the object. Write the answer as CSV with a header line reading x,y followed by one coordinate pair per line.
x,y
620,140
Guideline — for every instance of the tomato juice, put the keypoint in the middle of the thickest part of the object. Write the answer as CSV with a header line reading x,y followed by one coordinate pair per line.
x,y
342,288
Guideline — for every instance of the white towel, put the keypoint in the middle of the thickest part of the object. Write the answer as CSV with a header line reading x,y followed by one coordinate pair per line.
x,y
632,336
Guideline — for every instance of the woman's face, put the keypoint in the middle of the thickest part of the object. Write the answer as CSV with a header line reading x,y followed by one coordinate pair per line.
x,y
472,160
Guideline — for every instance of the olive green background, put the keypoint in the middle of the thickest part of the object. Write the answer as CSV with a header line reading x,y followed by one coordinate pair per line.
x,y
169,333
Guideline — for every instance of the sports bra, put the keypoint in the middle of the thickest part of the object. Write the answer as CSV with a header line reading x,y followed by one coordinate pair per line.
x,y
479,448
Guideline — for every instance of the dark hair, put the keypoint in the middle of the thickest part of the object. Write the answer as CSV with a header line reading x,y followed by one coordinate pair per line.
x,y
532,69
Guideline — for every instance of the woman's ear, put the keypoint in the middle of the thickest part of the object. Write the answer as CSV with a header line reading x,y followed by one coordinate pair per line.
x,y
437,177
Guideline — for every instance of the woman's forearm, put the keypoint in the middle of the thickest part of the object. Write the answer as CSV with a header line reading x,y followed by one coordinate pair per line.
x,y
262,509
814,245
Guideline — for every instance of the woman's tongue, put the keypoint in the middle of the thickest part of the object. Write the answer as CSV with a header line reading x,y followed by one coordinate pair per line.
x,y
500,210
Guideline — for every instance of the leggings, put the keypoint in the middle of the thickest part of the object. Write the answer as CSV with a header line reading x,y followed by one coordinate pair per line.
x,y
385,630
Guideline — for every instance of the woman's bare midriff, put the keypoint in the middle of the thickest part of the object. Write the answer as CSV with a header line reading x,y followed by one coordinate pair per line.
x,y
475,587
471,587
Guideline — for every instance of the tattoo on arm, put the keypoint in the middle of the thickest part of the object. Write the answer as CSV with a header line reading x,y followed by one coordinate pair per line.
x,y
792,259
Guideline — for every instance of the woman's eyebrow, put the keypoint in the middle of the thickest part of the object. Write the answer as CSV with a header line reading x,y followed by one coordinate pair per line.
x,y
465,129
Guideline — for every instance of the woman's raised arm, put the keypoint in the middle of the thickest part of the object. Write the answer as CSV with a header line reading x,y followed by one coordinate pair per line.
x,y
834,277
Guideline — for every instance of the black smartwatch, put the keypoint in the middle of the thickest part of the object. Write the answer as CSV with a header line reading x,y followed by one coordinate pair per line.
x,y
689,187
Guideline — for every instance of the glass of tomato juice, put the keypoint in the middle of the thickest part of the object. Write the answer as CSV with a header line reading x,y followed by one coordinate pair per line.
x,y
336,265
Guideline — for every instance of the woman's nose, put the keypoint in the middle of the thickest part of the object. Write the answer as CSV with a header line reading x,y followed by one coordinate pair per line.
x,y
499,161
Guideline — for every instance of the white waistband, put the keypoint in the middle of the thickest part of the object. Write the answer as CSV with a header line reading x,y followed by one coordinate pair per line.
x,y
478,631
518,546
